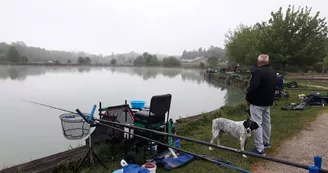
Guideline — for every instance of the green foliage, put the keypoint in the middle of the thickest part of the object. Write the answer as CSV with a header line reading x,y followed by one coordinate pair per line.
x,y
84,61
57,62
24,59
171,62
80,60
139,61
13,55
211,51
201,65
294,37
213,61
2,57
113,62
87,60
146,60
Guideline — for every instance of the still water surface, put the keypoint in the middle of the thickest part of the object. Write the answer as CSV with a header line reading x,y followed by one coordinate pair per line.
x,y
30,131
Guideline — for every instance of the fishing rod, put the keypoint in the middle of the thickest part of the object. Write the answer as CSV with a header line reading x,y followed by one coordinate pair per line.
x,y
50,106
286,162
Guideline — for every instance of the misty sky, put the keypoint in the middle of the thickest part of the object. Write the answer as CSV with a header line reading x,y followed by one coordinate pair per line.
x,y
155,26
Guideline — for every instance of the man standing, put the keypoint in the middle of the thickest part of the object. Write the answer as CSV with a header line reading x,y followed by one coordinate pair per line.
x,y
260,96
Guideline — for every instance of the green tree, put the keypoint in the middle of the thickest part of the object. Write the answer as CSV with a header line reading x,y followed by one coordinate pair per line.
x,y
87,60
69,61
294,37
171,62
113,61
139,61
57,62
24,59
201,65
153,61
13,55
213,61
80,60
2,57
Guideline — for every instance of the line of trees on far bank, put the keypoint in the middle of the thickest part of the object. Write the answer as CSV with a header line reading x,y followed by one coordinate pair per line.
x,y
12,56
147,59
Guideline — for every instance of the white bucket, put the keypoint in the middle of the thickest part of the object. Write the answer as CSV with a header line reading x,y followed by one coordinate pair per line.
x,y
151,169
126,135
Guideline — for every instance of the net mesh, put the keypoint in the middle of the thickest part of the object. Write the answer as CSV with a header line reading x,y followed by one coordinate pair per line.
x,y
74,127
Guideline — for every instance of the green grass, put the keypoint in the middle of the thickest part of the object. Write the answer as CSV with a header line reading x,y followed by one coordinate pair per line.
x,y
285,124
318,83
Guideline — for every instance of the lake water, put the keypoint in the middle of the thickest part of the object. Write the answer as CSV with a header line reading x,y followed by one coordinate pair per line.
x,y
30,131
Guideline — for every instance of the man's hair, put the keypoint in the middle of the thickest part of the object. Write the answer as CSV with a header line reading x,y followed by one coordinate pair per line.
x,y
263,58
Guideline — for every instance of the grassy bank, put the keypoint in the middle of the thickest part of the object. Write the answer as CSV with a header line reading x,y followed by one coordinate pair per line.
x,y
285,124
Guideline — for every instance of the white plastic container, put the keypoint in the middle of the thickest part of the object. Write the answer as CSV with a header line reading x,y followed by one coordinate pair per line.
x,y
150,166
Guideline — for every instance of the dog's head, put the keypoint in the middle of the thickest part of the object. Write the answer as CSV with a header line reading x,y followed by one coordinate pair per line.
x,y
250,126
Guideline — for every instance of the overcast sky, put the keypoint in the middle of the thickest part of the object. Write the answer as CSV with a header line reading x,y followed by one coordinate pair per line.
x,y
155,26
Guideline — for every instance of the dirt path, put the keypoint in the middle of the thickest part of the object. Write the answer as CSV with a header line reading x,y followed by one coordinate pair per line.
x,y
311,141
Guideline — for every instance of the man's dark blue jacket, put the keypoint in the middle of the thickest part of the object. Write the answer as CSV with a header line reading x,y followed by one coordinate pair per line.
x,y
262,86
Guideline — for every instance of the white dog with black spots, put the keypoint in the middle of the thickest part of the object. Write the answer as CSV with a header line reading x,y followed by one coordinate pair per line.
x,y
238,129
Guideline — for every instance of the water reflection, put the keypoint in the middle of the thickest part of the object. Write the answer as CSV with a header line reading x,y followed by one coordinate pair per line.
x,y
20,73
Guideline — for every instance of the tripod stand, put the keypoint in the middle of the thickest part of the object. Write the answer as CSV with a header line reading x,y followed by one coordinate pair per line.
x,y
90,152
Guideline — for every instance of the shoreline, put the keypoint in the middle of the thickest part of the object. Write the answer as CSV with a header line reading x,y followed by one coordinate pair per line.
x,y
94,65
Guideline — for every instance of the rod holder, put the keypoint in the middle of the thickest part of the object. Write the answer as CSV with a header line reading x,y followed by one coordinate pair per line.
x,y
92,112
318,161
313,169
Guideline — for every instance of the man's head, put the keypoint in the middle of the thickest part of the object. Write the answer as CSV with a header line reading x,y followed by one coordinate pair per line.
x,y
263,59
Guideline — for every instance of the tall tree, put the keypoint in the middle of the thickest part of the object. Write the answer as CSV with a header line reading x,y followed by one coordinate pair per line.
x,y
24,59
171,62
213,61
13,55
87,60
294,37
80,60
113,61
299,38
139,61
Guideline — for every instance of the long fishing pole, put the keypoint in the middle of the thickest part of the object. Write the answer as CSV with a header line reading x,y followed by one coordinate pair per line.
x,y
49,106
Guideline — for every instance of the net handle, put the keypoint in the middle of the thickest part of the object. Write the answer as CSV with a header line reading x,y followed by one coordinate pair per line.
x,y
92,112
83,116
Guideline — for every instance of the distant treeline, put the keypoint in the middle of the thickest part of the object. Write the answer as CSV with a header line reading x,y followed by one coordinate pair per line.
x,y
147,59
210,52
20,53
41,55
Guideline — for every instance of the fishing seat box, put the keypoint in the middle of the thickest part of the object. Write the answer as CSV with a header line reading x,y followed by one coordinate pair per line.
x,y
146,119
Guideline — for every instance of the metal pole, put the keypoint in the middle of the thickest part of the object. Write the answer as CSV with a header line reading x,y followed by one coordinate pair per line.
x,y
286,162
318,161
90,147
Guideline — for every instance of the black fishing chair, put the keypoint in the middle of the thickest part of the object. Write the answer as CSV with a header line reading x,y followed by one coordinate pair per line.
x,y
156,115
155,118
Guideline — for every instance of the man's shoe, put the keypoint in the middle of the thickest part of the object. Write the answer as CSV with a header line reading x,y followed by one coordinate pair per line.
x,y
254,150
266,146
